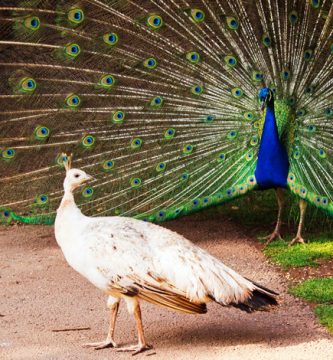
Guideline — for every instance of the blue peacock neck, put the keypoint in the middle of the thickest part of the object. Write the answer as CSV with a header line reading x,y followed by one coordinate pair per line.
x,y
273,165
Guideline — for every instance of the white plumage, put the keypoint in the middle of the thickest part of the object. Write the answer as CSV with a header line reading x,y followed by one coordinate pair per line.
x,y
132,259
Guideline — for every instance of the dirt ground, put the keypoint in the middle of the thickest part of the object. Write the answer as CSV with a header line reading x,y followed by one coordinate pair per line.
x,y
40,293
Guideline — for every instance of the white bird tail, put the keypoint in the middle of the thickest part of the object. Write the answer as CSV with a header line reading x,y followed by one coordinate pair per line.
x,y
260,299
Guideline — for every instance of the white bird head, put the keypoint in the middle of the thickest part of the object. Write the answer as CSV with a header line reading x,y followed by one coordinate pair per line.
x,y
74,177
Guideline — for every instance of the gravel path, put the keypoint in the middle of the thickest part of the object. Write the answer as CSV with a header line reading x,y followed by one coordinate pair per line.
x,y
39,292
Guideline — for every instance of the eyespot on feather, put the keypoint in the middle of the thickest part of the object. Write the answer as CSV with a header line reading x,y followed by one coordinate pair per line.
x,y
266,40
285,74
198,15
197,90
118,117
230,61
75,16
27,85
88,141
150,63
232,134
193,57
237,93
308,54
188,149
108,165
161,167
232,22
155,22
209,119
73,101
72,50
41,133
184,177
221,157
32,23
157,101
249,115
107,81
136,143
42,199
315,4
135,182
87,192
8,154
257,76
169,133
293,17
5,215
111,38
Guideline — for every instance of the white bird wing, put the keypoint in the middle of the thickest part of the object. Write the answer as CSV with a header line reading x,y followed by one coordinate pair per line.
x,y
160,266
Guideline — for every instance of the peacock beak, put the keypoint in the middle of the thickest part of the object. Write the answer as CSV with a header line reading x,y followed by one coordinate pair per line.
x,y
263,104
89,178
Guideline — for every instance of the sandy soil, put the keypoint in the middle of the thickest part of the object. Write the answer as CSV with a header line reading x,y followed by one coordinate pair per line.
x,y
40,293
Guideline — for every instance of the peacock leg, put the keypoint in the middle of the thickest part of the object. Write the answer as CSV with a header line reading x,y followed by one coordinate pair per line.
x,y
276,233
299,238
113,304
134,308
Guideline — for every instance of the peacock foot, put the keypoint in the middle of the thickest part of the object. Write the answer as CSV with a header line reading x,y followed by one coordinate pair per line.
x,y
297,239
271,237
137,349
101,345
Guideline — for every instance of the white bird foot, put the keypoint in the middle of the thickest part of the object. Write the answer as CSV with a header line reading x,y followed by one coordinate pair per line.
x,y
101,344
137,349
297,239
271,237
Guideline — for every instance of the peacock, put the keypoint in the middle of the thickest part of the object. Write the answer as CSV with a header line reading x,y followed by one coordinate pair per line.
x,y
173,106
129,259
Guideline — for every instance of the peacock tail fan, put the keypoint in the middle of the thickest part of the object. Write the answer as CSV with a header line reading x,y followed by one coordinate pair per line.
x,y
158,100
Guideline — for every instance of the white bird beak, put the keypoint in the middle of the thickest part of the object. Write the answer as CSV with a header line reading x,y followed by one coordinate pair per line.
x,y
90,178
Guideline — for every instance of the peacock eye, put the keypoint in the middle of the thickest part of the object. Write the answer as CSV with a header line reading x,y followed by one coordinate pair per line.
x,y
77,175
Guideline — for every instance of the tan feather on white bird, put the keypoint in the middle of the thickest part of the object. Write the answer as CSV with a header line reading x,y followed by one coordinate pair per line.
x,y
135,260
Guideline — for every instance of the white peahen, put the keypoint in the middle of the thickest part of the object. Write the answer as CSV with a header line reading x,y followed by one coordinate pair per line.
x,y
159,101
135,260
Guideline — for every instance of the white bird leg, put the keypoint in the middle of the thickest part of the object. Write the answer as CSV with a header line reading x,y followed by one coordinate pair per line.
x,y
134,308
299,238
276,233
113,304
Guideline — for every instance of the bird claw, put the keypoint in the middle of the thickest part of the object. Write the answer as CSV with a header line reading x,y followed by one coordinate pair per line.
x,y
271,237
297,239
101,345
137,349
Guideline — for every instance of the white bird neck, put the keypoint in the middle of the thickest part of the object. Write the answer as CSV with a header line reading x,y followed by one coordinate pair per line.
x,y
67,227
67,202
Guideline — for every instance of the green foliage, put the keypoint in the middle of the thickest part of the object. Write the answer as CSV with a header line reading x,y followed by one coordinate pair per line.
x,y
325,315
319,290
318,247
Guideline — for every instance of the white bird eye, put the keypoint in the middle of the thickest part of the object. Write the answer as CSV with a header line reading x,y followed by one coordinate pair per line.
x,y
77,175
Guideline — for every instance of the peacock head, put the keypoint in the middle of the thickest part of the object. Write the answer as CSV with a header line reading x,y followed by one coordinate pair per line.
x,y
74,177
266,97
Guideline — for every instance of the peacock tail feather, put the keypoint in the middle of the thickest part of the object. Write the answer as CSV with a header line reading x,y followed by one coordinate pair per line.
x,y
158,100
